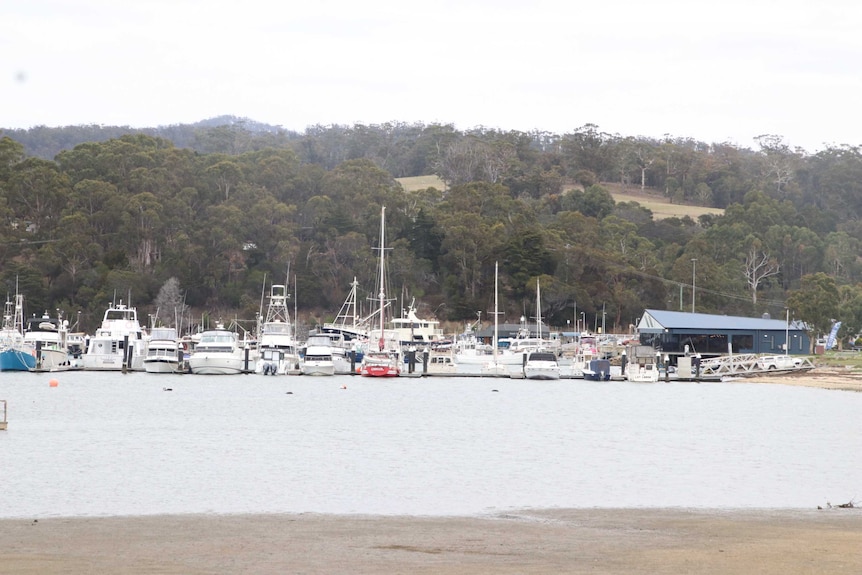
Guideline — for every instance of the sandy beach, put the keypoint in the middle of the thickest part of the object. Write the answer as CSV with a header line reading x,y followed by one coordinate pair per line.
x,y
557,541
836,378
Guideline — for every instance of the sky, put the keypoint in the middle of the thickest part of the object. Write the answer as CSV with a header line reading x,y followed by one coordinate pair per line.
x,y
718,72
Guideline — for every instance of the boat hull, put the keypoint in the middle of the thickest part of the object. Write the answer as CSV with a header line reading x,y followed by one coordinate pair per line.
x,y
161,366
317,368
216,364
379,371
17,360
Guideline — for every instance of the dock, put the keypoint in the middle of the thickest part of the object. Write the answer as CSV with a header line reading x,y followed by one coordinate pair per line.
x,y
3,422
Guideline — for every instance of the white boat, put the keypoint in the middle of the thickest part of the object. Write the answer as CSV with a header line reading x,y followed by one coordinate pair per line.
x,y
118,344
317,359
165,353
384,360
541,363
440,363
346,356
412,330
278,352
219,352
47,337
642,364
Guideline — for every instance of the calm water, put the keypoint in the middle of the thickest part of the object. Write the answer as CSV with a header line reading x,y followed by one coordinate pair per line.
x,y
113,444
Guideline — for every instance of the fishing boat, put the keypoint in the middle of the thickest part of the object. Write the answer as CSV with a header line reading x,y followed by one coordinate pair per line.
x,y
317,358
118,343
219,352
14,355
540,363
48,338
278,352
348,323
165,353
384,360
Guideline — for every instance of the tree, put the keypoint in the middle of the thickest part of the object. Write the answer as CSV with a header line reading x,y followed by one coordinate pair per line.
x,y
759,265
815,303
169,303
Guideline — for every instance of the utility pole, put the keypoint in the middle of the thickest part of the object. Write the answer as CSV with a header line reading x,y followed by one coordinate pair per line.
x,y
693,279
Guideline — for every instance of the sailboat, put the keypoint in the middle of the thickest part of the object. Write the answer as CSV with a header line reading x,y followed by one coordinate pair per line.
x,y
384,358
495,367
541,363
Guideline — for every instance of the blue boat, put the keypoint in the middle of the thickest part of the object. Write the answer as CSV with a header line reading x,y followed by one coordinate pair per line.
x,y
14,355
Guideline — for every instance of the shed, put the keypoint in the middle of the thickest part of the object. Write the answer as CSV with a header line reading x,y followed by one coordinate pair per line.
x,y
676,332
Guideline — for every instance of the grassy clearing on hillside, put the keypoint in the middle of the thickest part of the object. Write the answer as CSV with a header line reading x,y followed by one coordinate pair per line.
x,y
421,183
654,201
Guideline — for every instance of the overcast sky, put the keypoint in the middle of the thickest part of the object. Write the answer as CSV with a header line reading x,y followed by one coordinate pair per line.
x,y
720,72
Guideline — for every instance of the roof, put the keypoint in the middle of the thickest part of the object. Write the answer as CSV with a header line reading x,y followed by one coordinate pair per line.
x,y
655,321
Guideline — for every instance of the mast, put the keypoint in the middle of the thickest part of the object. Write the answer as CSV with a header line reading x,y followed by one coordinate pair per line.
x,y
496,310
538,312
382,273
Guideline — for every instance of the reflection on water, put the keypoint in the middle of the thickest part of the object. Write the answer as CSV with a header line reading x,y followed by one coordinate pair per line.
x,y
113,444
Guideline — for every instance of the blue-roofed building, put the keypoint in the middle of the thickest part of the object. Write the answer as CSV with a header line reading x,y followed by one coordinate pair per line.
x,y
709,335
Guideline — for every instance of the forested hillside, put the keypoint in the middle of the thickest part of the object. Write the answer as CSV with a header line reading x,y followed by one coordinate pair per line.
x,y
226,208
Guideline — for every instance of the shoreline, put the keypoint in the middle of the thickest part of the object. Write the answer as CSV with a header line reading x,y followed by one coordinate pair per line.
x,y
834,378
631,541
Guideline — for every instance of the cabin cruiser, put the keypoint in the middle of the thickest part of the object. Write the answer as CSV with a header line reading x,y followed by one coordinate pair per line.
x,y
118,344
541,365
317,359
219,352
165,353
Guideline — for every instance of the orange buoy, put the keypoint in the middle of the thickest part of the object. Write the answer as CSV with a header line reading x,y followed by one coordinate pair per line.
x,y
53,383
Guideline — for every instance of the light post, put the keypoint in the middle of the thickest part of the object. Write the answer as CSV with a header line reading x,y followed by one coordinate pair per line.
x,y
693,278
787,332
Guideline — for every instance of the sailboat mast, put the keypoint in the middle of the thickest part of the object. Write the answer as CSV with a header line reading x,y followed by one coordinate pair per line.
x,y
382,271
538,311
496,309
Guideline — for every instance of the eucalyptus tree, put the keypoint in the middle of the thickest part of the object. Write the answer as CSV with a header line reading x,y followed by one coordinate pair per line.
x,y
759,265
11,153
36,192
849,312
816,303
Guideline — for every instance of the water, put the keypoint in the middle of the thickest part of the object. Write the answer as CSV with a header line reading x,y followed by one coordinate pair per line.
x,y
112,444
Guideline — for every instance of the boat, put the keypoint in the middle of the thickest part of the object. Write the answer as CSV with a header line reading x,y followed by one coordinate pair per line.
x,y
48,338
345,355
219,352
540,363
278,352
412,330
118,343
317,359
14,355
642,364
348,323
439,363
165,353
385,359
